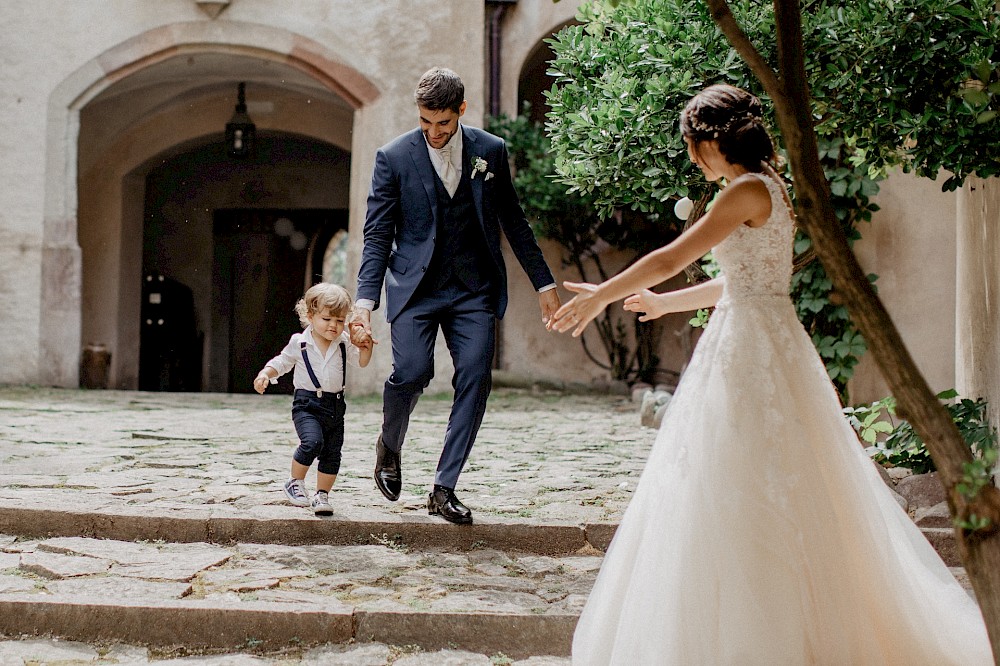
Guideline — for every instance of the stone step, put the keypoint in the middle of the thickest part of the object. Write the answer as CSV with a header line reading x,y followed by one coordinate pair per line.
x,y
271,596
417,531
34,651
412,531
429,585
160,519
206,596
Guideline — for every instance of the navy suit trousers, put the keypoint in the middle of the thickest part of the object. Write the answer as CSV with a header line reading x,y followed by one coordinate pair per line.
x,y
468,321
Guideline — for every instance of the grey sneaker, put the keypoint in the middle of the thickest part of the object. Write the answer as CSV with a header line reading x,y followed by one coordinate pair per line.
x,y
295,491
321,504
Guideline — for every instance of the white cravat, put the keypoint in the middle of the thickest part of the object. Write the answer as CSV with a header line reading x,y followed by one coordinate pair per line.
x,y
447,162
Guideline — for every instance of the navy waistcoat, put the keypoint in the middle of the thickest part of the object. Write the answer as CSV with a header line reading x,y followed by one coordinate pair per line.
x,y
460,251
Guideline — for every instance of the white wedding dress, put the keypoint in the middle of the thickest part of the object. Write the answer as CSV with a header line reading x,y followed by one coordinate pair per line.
x,y
760,532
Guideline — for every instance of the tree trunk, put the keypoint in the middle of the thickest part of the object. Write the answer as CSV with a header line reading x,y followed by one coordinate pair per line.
x,y
979,550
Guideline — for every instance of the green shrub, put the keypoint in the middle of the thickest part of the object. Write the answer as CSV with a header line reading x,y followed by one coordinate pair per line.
x,y
896,444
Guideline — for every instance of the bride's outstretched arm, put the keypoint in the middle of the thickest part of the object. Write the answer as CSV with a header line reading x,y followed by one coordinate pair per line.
x,y
744,199
704,295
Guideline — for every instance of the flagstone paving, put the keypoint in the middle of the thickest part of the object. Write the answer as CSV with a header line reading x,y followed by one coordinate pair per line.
x,y
196,539
541,457
56,652
142,528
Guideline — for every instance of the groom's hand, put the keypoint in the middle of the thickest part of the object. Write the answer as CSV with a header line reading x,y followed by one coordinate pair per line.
x,y
363,316
549,302
361,326
360,338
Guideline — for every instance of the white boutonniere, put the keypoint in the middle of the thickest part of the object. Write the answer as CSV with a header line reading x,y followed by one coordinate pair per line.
x,y
479,165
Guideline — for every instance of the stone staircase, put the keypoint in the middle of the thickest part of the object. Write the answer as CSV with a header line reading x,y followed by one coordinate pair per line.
x,y
159,531
502,591
225,584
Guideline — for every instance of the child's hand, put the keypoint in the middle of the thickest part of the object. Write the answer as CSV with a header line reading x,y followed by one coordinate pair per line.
x,y
261,382
360,337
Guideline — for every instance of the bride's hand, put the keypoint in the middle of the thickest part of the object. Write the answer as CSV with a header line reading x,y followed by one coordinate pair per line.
x,y
652,304
578,311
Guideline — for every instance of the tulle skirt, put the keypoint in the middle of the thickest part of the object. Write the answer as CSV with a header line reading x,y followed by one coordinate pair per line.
x,y
761,533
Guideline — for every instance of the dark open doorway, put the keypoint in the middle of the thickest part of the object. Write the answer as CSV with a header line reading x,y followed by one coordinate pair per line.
x,y
170,344
260,225
264,260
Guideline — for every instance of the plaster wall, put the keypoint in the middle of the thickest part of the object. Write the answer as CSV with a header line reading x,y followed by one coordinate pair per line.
x,y
978,304
911,246
88,110
431,34
533,353
371,52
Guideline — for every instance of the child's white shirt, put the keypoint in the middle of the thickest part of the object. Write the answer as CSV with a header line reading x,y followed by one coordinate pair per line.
x,y
328,368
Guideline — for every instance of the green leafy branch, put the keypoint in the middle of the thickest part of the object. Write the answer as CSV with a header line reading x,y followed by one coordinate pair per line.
x,y
897,444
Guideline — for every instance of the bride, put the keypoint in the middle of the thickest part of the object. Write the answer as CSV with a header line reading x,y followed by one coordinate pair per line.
x,y
759,533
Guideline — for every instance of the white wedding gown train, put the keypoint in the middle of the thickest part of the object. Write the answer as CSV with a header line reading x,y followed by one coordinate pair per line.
x,y
760,532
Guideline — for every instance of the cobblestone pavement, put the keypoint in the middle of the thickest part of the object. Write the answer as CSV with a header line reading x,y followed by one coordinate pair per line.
x,y
54,652
201,560
541,457
543,460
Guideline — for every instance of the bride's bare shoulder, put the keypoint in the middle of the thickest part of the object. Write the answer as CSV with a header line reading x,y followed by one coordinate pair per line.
x,y
749,193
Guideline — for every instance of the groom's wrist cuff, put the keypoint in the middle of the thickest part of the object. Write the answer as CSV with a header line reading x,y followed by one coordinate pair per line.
x,y
365,303
548,287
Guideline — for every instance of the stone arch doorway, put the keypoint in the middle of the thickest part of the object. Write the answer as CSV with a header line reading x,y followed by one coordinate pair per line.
x,y
228,246
533,80
151,108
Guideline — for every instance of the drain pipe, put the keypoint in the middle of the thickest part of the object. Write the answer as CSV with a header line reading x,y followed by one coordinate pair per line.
x,y
496,10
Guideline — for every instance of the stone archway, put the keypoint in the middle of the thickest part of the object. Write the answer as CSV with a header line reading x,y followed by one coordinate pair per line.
x,y
533,81
153,95
226,245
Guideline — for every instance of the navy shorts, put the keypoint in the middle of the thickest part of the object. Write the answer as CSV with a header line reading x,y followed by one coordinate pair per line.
x,y
319,423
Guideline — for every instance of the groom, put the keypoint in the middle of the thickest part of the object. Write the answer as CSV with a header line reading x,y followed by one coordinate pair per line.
x,y
439,197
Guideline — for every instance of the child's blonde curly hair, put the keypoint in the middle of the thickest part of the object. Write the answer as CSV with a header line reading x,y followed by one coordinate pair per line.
x,y
324,296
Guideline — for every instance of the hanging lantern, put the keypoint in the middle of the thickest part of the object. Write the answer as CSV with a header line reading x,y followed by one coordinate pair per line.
x,y
241,133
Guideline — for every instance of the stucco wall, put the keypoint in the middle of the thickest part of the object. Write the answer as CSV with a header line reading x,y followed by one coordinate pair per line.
x,y
66,141
52,69
911,245
93,148
978,322
443,34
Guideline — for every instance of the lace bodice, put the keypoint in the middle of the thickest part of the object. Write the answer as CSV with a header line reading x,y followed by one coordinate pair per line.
x,y
757,261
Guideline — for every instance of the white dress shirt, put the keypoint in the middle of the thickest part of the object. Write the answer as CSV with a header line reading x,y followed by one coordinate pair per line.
x,y
328,368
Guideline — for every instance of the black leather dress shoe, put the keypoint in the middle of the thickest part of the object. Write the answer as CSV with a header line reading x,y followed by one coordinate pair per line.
x,y
442,502
388,475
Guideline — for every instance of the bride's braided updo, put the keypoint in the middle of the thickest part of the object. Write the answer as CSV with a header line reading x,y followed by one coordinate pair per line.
x,y
734,118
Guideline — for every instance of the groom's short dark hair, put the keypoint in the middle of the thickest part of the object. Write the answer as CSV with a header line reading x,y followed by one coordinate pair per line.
x,y
438,89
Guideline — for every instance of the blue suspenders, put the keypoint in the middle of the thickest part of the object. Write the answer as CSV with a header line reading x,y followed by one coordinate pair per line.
x,y
312,375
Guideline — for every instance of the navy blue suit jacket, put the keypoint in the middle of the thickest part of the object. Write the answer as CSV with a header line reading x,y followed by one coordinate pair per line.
x,y
402,220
